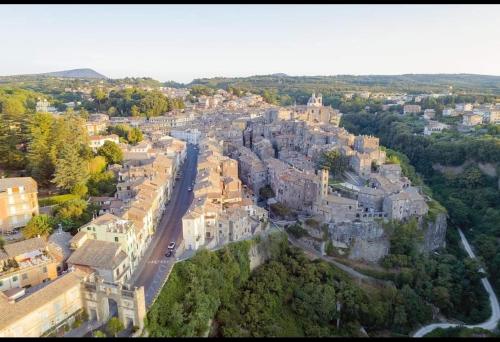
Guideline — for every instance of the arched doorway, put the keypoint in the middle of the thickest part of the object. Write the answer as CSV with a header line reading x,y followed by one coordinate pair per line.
x,y
113,308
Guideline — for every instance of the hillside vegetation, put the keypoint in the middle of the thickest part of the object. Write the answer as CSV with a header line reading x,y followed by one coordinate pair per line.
x,y
472,198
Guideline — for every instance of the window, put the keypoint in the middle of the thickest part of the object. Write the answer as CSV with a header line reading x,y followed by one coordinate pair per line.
x,y
45,269
116,238
1,283
88,228
14,278
25,276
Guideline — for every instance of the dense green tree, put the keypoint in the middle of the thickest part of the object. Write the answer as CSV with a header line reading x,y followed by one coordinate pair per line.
x,y
335,162
39,147
101,184
42,225
134,136
70,169
80,190
99,96
97,165
266,192
111,152
114,326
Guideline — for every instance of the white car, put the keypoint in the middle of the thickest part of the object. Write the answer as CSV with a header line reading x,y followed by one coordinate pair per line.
x,y
171,245
190,189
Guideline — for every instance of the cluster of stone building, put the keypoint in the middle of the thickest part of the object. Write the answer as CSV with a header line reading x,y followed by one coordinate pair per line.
x,y
296,182
224,100
472,115
281,148
222,211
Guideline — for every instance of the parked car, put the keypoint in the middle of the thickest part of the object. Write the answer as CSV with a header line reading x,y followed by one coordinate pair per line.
x,y
169,253
190,189
171,245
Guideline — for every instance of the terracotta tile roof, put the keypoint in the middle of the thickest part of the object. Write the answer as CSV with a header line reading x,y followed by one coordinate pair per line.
x,y
25,246
99,254
11,312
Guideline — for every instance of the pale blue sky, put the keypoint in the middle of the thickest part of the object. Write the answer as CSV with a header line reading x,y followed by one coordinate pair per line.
x,y
183,42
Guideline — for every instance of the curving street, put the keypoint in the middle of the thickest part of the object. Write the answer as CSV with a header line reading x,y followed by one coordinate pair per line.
x,y
490,324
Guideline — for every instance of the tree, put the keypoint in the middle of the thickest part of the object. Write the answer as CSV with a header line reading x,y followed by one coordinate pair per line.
x,y
97,165
98,333
114,326
13,107
102,184
42,225
153,104
70,168
134,136
74,213
266,192
334,161
111,152
13,134
84,114
99,95
112,111
39,147
134,111
79,190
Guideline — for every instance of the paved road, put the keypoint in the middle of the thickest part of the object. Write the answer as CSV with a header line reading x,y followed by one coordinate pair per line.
x,y
490,324
153,269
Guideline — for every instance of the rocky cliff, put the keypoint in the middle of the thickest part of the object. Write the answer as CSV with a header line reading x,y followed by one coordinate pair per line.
x,y
259,253
435,233
368,241
365,240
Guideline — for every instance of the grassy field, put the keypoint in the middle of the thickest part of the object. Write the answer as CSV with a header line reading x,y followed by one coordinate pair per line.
x,y
57,199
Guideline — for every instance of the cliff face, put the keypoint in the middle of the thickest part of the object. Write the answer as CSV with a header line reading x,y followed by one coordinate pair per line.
x,y
370,250
366,240
435,233
259,253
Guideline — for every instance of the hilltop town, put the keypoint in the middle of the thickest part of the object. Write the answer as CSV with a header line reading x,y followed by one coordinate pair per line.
x,y
213,168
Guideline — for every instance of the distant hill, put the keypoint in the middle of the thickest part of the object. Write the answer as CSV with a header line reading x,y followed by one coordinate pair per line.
x,y
408,82
74,73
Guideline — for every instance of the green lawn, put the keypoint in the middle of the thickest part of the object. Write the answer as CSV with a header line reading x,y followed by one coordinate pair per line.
x,y
56,199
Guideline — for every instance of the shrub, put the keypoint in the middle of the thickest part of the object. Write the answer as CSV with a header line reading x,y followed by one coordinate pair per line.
x,y
99,333
266,192
312,223
76,324
280,210
79,190
297,231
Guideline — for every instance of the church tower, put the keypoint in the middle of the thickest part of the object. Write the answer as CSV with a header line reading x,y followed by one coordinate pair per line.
x,y
315,101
